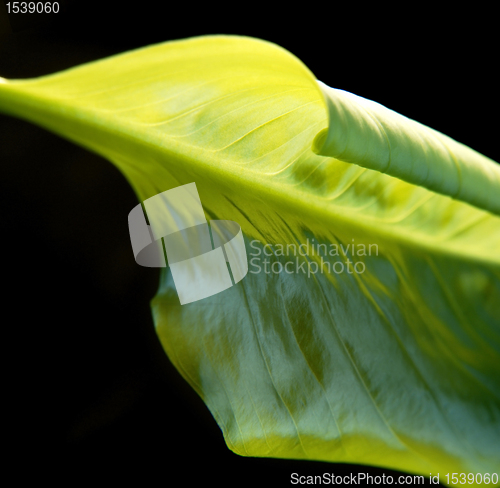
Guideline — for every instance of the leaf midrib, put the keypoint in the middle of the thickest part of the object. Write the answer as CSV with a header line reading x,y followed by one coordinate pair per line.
x,y
19,100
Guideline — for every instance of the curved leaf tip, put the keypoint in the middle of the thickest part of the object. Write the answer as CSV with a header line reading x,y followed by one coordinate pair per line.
x,y
368,134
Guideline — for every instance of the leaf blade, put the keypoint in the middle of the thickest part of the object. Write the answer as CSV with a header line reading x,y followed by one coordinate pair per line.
x,y
396,367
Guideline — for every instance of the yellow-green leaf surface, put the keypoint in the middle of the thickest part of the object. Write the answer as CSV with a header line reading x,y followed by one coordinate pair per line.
x,y
397,365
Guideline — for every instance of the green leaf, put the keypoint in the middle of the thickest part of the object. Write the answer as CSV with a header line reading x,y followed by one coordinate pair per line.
x,y
395,361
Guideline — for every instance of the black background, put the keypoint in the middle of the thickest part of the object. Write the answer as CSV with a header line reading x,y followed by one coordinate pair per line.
x,y
90,389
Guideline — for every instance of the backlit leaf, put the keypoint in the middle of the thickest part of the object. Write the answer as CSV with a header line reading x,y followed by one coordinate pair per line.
x,y
378,341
